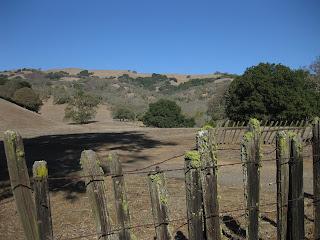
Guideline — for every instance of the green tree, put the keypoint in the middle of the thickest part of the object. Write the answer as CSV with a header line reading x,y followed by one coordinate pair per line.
x,y
82,107
124,113
270,91
166,114
27,98
84,73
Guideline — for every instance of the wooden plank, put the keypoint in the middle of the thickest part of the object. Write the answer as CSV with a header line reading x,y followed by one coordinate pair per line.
x,y
230,133
193,195
42,200
235,131
120,197
282,156
265,136
316,176
251,161
209,180
159,201
225,131
20,183
236,141
96,191
271,132
296,193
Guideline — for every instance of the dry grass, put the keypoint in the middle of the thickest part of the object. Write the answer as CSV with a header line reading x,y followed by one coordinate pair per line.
x,y
60,145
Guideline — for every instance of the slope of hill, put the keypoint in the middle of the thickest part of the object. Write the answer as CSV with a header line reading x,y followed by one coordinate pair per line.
x,y
28,123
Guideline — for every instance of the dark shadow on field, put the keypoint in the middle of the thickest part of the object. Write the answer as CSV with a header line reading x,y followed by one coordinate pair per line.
x,y
62,153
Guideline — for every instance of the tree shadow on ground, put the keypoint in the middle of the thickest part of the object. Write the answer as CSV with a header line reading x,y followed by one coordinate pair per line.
x,y
62,153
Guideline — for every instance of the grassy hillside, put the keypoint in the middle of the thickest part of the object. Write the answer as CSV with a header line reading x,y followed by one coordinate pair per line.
x,y
128,89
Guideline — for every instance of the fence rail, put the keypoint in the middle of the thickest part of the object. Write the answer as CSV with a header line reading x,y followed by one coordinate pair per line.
x,y
201,169
228,133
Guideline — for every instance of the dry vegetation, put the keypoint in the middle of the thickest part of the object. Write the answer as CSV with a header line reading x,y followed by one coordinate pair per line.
x,y
47,137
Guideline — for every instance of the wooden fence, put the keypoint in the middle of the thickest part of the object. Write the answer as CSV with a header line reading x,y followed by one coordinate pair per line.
x,y
232,132
201,169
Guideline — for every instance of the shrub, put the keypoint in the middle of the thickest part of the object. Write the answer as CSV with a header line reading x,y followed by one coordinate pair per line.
x,y
166,114
82,107
124,113
27,98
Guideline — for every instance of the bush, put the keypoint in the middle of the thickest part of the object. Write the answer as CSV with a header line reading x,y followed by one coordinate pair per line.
x,y
124,113
27,98
166,114
82,108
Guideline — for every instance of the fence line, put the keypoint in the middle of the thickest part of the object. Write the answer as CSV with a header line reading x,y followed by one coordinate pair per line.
x,y
95,177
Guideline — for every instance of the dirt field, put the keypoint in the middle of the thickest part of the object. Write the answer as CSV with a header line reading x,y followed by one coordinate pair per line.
x,y
47,137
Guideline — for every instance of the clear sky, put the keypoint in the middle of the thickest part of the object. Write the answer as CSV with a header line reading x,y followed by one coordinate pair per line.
x,y
158,36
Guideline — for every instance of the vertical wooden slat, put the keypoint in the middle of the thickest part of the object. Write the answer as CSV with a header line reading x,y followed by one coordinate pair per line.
x,y
42,200
159,201
267,133
239,134
209,179
282,156
230,134
235,131
316,176
271,133
296,194
120,197
96,191
20,183
251,161
193,195
225,131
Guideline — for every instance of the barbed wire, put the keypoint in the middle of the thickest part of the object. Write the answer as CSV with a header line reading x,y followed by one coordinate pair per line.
x,y
219,214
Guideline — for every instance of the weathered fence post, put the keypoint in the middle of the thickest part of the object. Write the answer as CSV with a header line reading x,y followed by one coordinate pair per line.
x,y
96,191
120,196
209,178
251,161
193,195
20,183
42,200
282,156
316,176
296,194
159,201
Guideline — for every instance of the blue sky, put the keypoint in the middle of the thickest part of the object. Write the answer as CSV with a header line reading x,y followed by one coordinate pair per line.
x,y
189,37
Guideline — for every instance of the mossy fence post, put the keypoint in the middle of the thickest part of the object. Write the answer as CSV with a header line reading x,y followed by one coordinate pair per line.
x,y
42,200
159,202
20,183
282,156
209,178
96,191
194,195
120,197
316,176
251,161
296,193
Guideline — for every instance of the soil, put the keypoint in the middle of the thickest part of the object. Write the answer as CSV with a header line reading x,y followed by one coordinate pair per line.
x,y
48,137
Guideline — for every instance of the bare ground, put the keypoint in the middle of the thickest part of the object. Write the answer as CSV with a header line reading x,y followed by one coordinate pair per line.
x,y
47,137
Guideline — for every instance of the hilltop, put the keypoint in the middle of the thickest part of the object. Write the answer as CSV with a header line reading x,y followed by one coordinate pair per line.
x,y
127,89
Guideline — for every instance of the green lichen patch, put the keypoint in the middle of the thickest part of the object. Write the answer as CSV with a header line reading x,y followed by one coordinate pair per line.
x,y
207,127
194,156
41,171
163,199
248,136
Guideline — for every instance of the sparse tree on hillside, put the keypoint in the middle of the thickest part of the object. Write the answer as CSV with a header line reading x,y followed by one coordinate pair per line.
x,y
217,103
314,76
82,107
27,98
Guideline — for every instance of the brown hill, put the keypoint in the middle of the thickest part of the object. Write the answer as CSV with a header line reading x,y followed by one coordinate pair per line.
x,y
116,73
29,123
